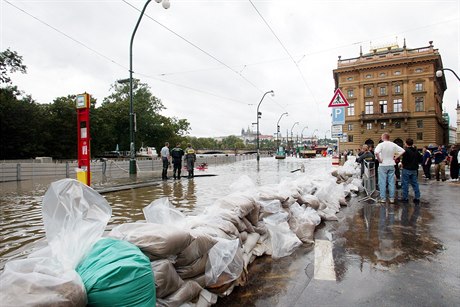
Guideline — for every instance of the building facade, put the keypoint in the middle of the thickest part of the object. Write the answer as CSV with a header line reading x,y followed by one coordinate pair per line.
x,y
394,90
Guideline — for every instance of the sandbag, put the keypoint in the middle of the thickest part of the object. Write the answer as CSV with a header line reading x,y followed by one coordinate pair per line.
x,y
200,245
117,273
40,282
189,290
195,268
155,240
240,203
167,280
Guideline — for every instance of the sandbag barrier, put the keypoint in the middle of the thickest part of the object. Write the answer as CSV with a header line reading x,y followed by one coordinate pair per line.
x,y
194,259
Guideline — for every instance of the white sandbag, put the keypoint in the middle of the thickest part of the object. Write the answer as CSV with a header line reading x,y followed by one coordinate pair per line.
x,y
277,218
161,211
200,245
206,299
288,202
240,203
167,280
196,268
283,240
269,193
310,200
251,242
155,240
40,282
224,257
327,214
189,290
253,216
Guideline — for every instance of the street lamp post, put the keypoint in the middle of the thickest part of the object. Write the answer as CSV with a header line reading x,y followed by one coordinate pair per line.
x,y
258,116
278,128
292,141
301,134
132,149
439,73
313,134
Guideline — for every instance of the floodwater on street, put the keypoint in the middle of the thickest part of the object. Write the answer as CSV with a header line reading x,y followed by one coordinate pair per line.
x,y
20,202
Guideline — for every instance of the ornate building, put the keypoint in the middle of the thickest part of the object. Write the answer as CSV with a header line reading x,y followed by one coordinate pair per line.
x,y
392,90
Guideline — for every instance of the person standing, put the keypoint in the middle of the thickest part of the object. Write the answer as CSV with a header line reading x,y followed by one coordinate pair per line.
x,y
426,162
453,154
365,155
386,153
376,165
440,163
177,153
410,161
190,157
165,157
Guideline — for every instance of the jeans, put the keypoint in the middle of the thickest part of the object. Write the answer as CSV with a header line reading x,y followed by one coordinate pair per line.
x,y
165,168
387,175
410,177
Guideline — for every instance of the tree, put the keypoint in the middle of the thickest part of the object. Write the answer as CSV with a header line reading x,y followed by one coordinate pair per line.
x,y
11,62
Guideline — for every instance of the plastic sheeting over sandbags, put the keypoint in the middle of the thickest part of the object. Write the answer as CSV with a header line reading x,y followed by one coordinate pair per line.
x,y
74,217
155,240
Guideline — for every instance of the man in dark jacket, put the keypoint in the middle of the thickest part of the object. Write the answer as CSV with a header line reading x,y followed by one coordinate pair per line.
x,y
411,159
365,155
177,153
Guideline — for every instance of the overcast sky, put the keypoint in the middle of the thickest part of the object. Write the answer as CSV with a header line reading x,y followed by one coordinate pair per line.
x,y
210,61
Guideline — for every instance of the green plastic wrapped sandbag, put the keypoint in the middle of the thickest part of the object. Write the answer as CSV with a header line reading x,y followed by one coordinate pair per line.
x,y
117,273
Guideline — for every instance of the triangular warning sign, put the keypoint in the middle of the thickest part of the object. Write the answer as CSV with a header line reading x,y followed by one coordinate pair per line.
x,y
338,100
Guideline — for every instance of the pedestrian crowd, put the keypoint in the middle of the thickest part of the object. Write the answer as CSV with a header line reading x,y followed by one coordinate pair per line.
x,y
176,155
393,163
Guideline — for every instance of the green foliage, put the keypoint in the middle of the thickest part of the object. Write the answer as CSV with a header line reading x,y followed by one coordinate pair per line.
x,y
29,129
12,62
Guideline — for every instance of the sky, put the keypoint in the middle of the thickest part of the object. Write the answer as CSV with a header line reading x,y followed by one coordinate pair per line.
x,y
212,61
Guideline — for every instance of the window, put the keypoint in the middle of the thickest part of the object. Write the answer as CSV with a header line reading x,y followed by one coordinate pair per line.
x,y
368,91
350,127
369,126
369,107
419,70
418,87
368,76
397,124
397,73
350,138
419,123
419,136
383,125
350,79
419,104
382,74
350,94
397,105
398,89
351,109
383,90
383,106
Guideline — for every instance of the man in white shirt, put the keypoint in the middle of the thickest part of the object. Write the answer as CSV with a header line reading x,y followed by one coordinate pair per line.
x,y
386,152
165,157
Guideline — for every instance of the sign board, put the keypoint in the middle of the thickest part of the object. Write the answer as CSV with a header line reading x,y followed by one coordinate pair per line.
x,y
336,131
338,116
344,138
338,100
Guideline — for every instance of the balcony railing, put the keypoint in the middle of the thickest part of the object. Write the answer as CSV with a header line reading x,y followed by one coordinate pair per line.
x,y
381,116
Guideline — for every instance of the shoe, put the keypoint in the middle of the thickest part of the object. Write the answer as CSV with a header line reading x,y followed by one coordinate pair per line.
x,y
416,200
382,200
444,180
392,200
404,200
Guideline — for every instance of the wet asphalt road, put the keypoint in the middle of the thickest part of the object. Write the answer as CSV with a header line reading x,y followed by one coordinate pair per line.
x,y
383,255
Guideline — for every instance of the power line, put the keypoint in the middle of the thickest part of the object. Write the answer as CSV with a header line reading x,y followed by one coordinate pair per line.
x,y
66,35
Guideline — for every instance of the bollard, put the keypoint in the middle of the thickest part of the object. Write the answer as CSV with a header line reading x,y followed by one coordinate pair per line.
x,y
18,172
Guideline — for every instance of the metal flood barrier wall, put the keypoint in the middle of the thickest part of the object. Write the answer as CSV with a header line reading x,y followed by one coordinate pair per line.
x,y
13,171
369,180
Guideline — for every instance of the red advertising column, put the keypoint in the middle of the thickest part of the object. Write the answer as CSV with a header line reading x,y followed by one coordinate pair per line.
x,y
84,153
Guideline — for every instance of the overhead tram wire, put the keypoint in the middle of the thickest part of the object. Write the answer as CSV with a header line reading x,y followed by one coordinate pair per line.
x,y
66,35
287,51
114,62
200,49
